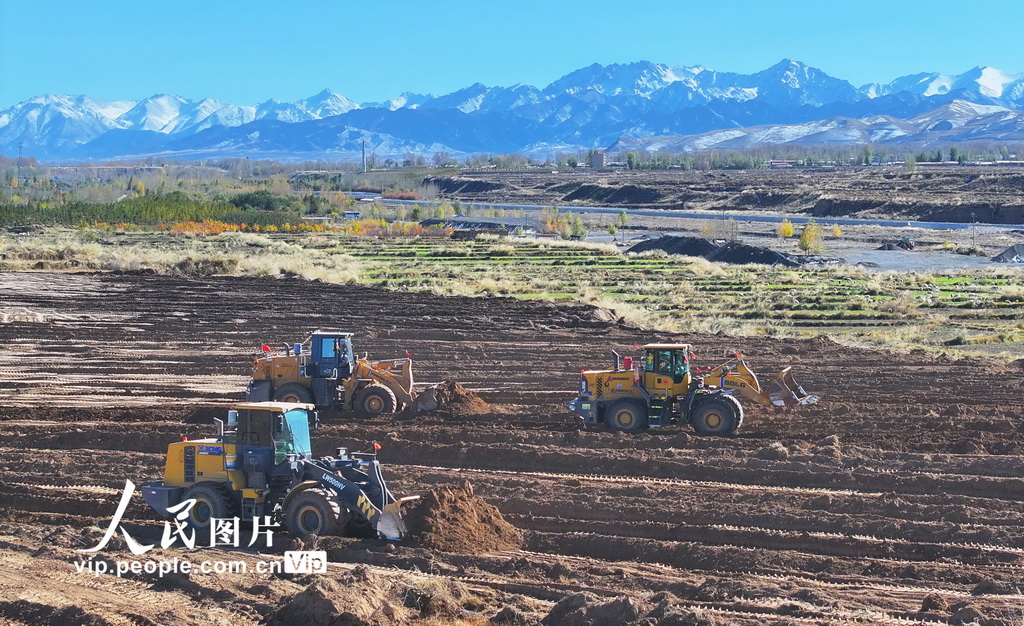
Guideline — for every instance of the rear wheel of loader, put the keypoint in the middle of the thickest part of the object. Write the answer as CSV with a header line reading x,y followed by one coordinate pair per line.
x,y
312,512
628,415
717,415
375,400
293,392
212,500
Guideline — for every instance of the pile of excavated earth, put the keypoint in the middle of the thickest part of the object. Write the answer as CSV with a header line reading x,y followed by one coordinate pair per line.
x,y
453,519
897,499
451,396
721,252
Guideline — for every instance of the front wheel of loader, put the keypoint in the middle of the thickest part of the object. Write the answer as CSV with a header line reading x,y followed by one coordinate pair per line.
x,y
375,400
628,415
293,392
312,512
212,500
717,415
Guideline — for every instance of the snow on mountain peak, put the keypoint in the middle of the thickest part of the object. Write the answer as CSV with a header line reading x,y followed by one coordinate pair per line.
x,y
988,82
991,82
587,107
327,103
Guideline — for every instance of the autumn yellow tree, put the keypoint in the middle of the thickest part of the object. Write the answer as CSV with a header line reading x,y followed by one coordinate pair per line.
x,y
786,229
810,238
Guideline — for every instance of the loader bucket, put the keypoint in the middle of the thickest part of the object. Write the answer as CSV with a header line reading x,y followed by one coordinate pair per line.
x,y
390,523
785,391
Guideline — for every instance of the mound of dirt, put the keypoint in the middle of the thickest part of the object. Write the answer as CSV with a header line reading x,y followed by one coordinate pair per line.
x,y
446,184
1013,254
602,314
587,609
686,246
453,519
626,194
731,252
741,253
359,597
28,612
451,396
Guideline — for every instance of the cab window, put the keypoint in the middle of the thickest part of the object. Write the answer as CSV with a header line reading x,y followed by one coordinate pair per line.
x,y
682,365
665,362
659,361
327,348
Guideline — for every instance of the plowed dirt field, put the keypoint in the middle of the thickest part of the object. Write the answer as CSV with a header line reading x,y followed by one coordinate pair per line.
x,y
897,499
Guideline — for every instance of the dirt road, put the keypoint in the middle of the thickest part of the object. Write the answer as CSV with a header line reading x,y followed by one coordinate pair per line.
x,y
899,497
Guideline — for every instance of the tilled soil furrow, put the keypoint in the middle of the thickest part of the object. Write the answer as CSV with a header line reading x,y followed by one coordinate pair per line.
x,y
905,482
812,543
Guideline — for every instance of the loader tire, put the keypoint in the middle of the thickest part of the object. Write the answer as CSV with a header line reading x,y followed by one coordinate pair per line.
x,y
312,512
376,400
717,415
211,500
737,408
293,392
626,415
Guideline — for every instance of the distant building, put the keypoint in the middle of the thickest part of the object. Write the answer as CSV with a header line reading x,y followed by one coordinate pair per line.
x,y
597,160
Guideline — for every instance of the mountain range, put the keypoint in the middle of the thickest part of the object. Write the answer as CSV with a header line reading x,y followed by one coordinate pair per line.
x,y
638,105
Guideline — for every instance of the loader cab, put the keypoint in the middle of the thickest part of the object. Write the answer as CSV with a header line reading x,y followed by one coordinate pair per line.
x,y
667,368
331,355
266,433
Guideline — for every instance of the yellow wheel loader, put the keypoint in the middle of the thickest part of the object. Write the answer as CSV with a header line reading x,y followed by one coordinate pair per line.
x,y
261,464
324,371
665,389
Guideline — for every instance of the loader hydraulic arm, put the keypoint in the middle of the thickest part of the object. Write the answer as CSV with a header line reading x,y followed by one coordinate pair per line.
x,y
735,375
364,494
348,491
782,391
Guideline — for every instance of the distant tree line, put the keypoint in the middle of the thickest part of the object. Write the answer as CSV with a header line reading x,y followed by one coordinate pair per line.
x,y
150,209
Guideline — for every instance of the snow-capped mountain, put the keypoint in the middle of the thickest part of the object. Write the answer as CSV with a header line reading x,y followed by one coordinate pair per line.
x,y
174,114
956,121
985,82
324,104
786,82
55,123
407,100
595,106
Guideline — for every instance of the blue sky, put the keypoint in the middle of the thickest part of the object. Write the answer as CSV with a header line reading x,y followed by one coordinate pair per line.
x,y
248,52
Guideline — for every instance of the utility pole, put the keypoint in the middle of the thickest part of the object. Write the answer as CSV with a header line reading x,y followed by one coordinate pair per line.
x,y
21,146
364,156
